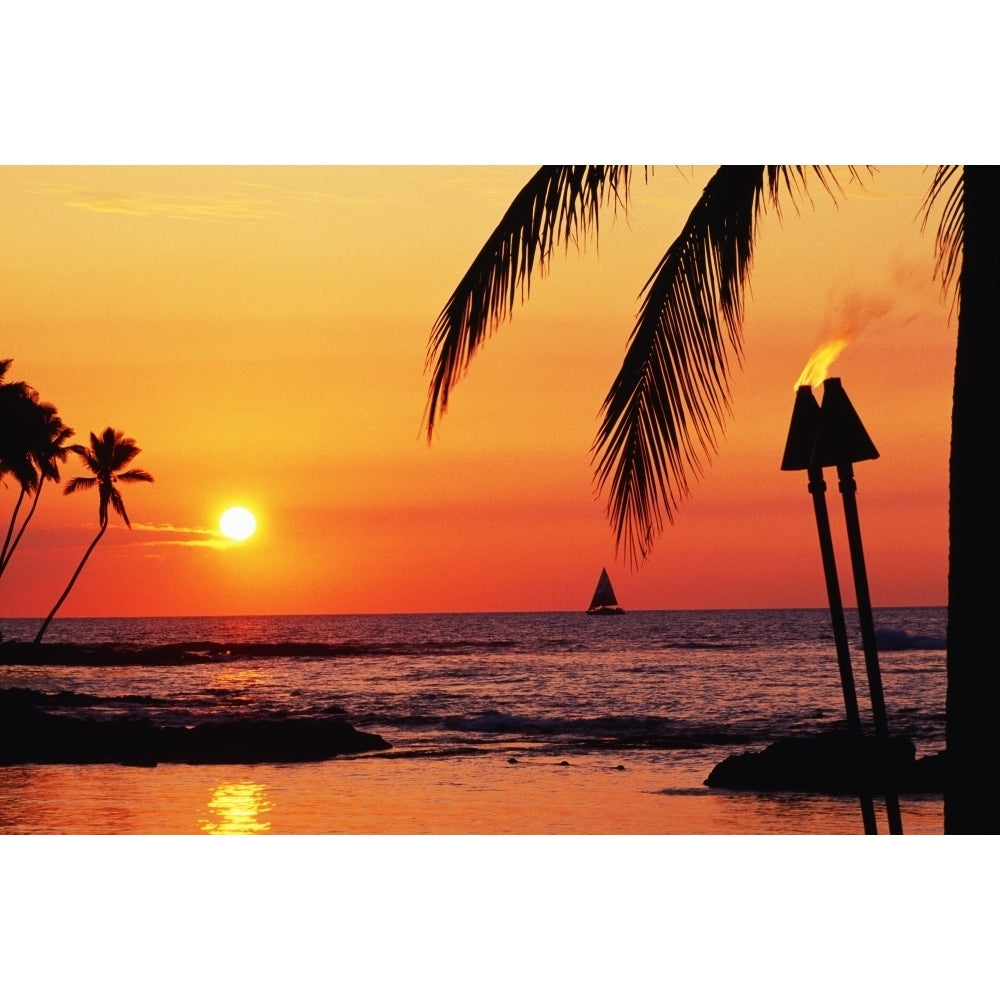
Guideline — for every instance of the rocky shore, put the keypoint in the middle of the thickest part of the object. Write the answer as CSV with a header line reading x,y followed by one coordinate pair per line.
x,y
31,735
110,654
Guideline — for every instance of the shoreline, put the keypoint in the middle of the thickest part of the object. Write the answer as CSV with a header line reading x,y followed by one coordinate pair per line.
x,y
828,763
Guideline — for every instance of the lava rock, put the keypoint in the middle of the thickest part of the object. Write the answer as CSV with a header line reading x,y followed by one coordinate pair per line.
x,y
29,735
834,763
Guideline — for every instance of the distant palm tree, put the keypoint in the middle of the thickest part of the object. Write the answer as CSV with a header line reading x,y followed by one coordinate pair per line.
x,y
16,410
26,431
106,457
668,402
41,442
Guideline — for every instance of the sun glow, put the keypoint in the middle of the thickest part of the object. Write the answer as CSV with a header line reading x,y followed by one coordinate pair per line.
x,y
237,523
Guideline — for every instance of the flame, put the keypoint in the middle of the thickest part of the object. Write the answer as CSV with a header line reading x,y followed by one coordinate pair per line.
x,y
818,366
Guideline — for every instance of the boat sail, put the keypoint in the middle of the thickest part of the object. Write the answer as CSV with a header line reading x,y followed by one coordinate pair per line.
x,y
604,601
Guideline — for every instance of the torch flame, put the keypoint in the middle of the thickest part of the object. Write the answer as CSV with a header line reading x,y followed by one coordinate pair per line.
x,y
818,366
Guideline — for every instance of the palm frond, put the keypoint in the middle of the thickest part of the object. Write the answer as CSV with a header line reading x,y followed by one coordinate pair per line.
x,y
134,476
124,451
80,483
660,414
560,204
667,405
795,180
950,238
119,506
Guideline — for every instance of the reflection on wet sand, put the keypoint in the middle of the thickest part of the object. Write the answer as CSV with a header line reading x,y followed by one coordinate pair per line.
x,y
238,808
367,796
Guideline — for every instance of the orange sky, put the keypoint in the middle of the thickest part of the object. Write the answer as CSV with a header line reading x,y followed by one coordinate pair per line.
x,y
261,333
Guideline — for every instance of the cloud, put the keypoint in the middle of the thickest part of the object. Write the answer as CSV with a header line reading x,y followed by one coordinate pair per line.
x,y
228,206
169,528
247,200
203,537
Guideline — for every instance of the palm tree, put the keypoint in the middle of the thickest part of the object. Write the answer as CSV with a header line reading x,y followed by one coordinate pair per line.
x,y
16,410
970,231
19,423
106,457
663,412
38,437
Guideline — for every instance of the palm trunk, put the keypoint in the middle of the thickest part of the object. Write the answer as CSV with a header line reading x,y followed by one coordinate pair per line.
x,y
972,790
9,551
69,586
4,557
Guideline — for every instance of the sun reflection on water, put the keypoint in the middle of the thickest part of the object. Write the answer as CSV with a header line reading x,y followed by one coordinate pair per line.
x,y
238,808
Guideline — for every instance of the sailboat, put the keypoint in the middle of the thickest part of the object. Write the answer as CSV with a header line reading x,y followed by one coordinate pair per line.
x,y
604,601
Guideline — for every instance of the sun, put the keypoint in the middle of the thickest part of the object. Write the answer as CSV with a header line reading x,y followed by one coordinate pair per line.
x,y
237,523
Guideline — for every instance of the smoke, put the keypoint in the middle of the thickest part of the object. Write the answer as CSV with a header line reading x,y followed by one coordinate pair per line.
x,y
854,313
848,318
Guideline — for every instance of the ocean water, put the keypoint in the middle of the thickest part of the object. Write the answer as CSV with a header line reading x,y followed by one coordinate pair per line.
x,y
498,723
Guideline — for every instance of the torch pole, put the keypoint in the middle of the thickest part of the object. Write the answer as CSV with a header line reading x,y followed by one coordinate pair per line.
x,y
848,489
817,487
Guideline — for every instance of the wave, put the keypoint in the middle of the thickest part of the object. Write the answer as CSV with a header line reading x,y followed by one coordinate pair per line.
x,y
709,644
898,638
582,733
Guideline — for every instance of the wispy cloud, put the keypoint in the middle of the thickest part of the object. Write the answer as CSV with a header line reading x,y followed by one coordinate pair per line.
x,y
247,200
167,528
147,204
200,537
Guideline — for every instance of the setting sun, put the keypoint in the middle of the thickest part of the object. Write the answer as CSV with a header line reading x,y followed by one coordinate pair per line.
x,y
237,523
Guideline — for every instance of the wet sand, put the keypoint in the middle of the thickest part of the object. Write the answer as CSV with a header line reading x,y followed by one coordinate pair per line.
x,y
385,795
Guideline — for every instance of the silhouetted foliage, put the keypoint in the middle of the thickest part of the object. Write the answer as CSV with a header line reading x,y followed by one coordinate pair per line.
x,y
106,459
32,441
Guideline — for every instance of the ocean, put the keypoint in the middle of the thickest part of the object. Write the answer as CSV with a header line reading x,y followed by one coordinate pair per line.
x,y
514,723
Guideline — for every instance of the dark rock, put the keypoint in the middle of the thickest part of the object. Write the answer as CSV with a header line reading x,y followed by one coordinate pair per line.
x,y
29,735
267,742
834,763
928,774
100,654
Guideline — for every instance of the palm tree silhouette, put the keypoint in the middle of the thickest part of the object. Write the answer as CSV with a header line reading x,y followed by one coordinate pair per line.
x,y
16,414
37,436
106,457
665,408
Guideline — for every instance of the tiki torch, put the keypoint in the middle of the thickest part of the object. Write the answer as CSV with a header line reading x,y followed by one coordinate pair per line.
x,y
798,456
841,440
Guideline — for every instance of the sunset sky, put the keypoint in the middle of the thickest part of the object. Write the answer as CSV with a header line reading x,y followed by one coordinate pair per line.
x,y
261,333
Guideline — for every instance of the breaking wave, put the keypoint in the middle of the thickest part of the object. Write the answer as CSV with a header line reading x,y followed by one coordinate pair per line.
x,y
898,638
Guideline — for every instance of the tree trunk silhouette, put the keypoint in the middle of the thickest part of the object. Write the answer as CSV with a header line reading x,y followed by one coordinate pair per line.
x,y
10,530
8,550
69,586
972,790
